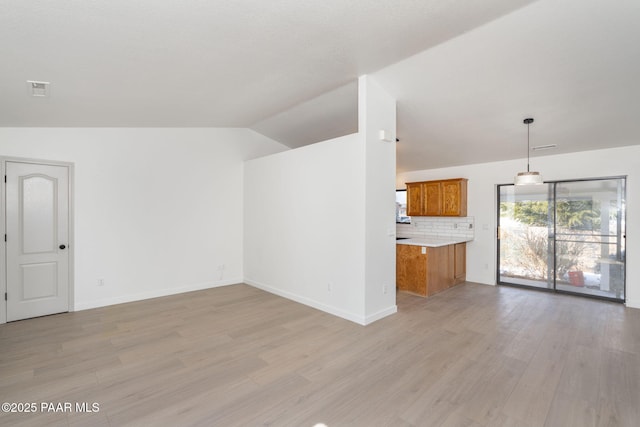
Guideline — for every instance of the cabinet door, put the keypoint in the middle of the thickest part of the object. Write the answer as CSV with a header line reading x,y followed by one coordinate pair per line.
x,y
432,198
460,262
414,199
411,269
439,269
454,198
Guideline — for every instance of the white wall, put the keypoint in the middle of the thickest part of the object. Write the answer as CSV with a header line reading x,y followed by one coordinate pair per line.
x,y
317,218
483,178
377,111
157,210
303,230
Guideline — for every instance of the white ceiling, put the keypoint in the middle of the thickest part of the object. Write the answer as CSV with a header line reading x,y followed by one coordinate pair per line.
x,y
572,65
327,116
465,73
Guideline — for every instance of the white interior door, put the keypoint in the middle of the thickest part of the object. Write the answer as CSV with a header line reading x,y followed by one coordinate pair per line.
x,y
37,224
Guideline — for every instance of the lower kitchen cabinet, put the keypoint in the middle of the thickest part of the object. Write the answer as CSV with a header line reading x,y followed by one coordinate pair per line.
x,y
411,269
460,262
426,271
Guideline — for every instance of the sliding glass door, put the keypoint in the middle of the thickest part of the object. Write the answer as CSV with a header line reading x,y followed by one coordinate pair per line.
x,y
590,241
565,236
525,237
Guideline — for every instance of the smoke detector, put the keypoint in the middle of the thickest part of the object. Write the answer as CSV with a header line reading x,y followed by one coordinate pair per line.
x,y
39,89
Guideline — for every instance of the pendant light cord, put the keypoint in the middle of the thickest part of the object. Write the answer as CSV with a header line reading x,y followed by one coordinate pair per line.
x,y
528,123
528,149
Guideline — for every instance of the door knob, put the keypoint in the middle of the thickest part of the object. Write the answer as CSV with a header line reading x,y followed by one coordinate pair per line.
x,y
62,246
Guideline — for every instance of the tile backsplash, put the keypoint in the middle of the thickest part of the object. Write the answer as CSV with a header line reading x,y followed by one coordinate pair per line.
x,y
433,226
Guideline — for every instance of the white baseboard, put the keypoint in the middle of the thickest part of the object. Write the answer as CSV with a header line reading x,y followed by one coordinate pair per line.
x,y
152,294
323,307
380,314
634,303
481,281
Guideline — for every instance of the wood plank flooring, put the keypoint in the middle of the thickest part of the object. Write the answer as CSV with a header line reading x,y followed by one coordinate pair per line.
x,y
473,355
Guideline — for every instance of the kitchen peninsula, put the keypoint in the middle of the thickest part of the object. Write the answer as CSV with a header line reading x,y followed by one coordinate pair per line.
x,y
428,265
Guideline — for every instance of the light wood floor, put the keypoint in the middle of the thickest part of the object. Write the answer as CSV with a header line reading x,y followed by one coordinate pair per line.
x,y
474,355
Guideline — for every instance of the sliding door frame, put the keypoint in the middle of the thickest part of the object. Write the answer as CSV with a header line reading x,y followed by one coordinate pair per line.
x,y
622,234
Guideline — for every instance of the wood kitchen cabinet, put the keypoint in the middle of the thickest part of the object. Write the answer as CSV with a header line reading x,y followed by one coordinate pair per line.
x,y
426,271
454,197
415,199
432,198
437,198
424,198
411,269
459,262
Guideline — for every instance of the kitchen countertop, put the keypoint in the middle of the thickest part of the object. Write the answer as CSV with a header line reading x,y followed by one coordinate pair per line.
x,y
433,242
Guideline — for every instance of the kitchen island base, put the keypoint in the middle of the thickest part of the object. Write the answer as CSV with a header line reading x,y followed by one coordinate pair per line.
x,y
426,271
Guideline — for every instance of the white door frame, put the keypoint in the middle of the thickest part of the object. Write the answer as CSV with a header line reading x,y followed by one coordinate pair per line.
x,y
3,229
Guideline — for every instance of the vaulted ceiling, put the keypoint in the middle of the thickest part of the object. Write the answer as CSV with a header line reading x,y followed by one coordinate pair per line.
x,y
465,73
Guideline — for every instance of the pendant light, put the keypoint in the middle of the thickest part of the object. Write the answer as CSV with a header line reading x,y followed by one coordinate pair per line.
x,y
528,178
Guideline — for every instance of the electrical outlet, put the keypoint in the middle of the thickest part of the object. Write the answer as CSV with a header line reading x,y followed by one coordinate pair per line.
x,y
329,286
384,289
101,281
220,267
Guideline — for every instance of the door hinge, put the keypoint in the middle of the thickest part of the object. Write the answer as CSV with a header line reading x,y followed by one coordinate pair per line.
x,y
5,296
5,179
5,237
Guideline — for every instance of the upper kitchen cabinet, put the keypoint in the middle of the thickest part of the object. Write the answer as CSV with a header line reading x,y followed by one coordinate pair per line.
x,y
454,197
424,198
415,199
432,198
437,198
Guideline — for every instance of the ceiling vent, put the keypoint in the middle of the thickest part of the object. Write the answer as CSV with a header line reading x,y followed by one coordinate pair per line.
x,y
40,89
544,147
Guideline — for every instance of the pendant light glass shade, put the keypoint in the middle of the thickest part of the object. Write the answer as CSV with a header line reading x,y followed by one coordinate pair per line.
x,y
528,178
